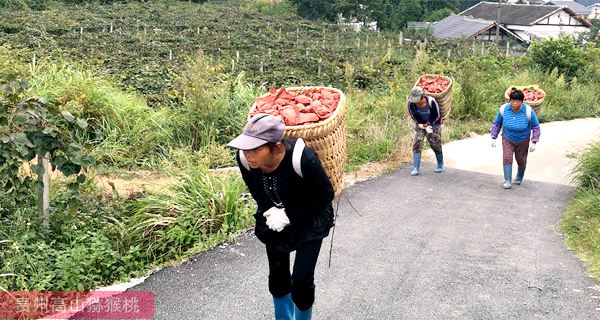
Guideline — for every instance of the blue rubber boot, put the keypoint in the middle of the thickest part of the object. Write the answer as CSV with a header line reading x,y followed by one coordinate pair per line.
x,y
507,176
303,315
284,307
439,167
416,164
520,174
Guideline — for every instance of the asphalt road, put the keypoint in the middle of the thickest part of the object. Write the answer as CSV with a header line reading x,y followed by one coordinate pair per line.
x,y
437,246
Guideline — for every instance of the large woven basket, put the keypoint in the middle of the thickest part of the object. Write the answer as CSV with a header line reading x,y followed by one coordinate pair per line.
x,y
327,138
536,105
444,99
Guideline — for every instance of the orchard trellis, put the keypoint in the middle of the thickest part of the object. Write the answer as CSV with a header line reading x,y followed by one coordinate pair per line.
x,y
146,46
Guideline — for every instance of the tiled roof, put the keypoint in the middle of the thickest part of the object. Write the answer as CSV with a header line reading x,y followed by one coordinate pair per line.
x,y
520,14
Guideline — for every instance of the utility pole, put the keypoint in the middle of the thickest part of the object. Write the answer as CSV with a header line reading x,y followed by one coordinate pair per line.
x,y
498,22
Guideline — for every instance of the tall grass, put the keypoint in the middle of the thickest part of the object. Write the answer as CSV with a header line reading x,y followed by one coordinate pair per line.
x,y
122,130
192,214
581,222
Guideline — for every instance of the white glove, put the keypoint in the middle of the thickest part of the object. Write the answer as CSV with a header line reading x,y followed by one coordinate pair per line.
x,y
276,218
493,143
420,125
532,147
429,129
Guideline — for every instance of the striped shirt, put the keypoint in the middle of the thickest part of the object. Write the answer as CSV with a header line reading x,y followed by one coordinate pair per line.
x,y
515,125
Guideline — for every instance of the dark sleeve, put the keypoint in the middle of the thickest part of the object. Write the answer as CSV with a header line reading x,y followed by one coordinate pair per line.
x,y
410,111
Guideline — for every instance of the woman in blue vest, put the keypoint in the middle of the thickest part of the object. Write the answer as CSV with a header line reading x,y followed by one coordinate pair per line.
x,y
519,125
425,111
294,211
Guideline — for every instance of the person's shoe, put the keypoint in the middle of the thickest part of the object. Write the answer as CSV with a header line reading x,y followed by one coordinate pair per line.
x,y
303,315
416,164
284,307
439,167
520,173
507,176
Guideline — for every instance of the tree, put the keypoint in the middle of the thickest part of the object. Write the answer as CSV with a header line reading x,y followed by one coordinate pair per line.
x,y
34,128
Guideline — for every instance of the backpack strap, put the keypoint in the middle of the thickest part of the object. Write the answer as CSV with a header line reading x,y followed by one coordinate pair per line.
x,y
501,110
243,160
297,156
527,111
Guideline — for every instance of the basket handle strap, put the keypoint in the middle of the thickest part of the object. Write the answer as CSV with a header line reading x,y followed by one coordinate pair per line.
x,y
243,160
297,156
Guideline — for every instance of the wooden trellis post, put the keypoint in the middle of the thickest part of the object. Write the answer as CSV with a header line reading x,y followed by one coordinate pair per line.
x,y
44,193
319,69
400,38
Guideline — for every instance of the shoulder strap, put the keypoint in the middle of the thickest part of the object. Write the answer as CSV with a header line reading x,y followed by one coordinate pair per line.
x,y
243,160
527,111
501,110
297,156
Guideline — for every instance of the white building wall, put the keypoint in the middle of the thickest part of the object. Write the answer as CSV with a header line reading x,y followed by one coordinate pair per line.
x,y
546,31
562,18
595,14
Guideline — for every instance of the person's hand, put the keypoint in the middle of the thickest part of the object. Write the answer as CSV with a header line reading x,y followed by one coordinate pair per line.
x,y
493,143
532,147
429,129
276,218
420,125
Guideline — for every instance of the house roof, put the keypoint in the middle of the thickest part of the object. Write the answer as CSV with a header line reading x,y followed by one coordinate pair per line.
x,y
461,27
456,27
518,14
578,8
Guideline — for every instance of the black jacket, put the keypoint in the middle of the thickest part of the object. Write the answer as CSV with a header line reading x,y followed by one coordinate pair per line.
x,y
307,199
435,116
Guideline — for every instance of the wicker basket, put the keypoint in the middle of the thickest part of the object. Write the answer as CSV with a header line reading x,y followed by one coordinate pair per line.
x,y
327,138
444,99
536,105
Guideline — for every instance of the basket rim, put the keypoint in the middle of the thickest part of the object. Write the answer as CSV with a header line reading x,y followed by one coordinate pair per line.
x,y
529,102
334,115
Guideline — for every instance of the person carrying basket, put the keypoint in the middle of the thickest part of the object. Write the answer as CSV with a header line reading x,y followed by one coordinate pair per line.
x,y
519,124
425,112
294,198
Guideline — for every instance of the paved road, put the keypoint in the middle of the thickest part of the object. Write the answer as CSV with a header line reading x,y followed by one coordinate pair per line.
x,y
437,246
553,161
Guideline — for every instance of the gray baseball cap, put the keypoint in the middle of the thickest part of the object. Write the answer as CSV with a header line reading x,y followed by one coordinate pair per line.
x,y
262,128
416,94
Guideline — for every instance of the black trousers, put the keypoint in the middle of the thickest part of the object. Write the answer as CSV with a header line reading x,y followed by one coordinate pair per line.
x,y
301,283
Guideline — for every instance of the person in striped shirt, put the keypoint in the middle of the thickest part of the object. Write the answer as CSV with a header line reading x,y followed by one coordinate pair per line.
x,y
519,125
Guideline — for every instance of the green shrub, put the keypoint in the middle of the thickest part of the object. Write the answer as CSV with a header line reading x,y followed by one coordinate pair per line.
x,y
587,170
561,53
